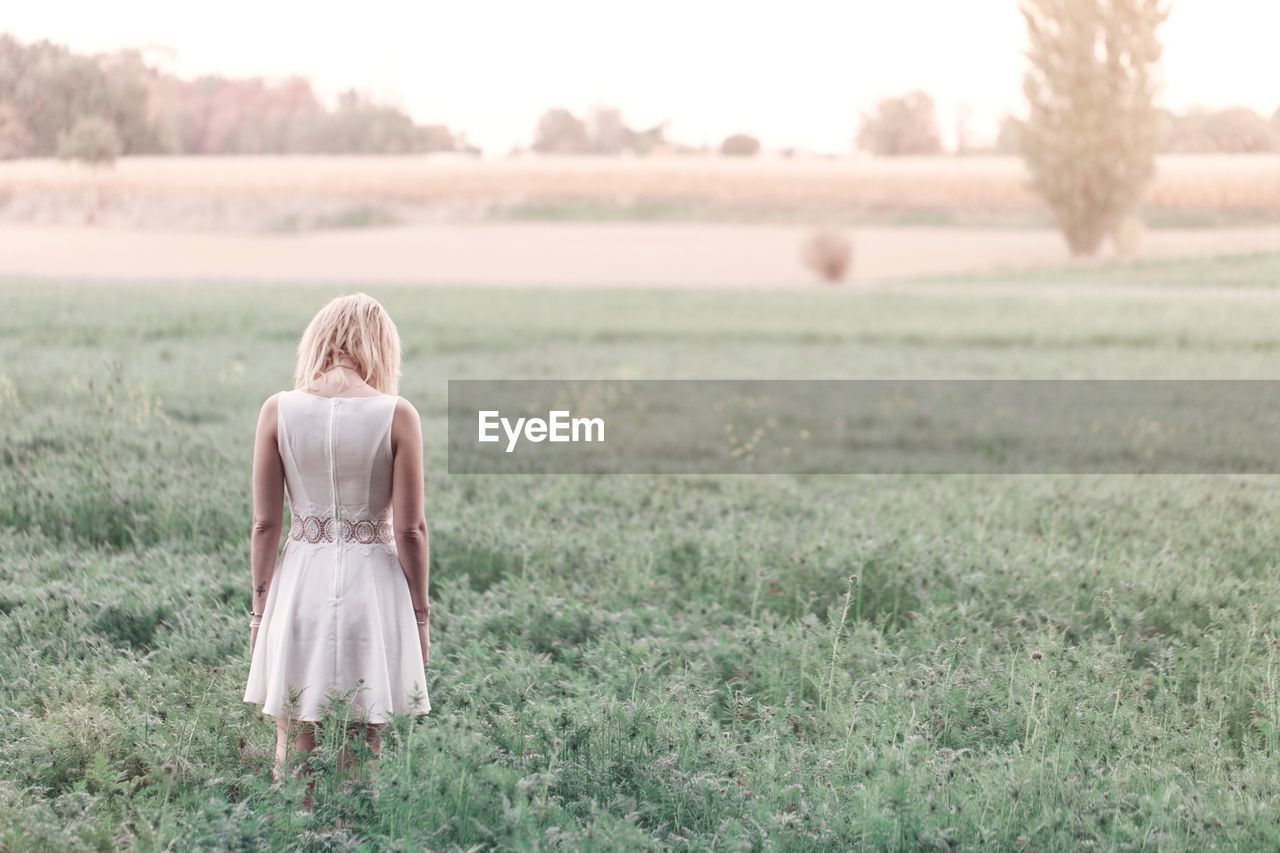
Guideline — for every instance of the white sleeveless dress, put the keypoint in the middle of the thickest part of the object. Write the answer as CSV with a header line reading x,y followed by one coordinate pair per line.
x,y
338,623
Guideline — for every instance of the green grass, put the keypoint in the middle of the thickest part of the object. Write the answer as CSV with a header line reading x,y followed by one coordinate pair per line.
x,y
1048,663
353,216
675,209
1252,270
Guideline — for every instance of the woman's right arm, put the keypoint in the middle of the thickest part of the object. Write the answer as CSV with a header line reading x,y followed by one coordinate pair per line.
x,y
408,510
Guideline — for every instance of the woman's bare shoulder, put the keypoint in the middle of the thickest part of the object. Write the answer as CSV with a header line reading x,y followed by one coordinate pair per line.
x,y
267,412
405,421
405,410
273,402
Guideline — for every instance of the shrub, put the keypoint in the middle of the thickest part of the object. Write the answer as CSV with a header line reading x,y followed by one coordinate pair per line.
x,y
92,140
829,253
740,145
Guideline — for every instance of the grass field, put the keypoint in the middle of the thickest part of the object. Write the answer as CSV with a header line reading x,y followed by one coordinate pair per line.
x,y
1049,663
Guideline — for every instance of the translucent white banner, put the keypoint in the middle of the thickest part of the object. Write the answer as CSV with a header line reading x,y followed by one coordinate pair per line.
x,y
863,426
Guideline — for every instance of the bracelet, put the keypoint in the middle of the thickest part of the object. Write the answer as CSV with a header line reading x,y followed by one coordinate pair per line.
x,y
425,610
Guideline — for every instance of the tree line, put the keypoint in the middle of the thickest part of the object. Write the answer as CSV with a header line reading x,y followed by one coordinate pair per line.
x,y
907,125
54,102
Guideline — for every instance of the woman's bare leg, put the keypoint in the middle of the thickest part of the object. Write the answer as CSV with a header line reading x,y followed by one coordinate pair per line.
x,y
303,743
372,738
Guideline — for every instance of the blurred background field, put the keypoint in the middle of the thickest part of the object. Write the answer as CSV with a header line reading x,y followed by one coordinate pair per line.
x,y
257,193
119,165
652,663
603,221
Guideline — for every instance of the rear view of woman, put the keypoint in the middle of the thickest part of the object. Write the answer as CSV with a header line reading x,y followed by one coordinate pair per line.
x,y
340,617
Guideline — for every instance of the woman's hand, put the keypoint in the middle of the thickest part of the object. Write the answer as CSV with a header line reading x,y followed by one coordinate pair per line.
x,y
253,638
424,641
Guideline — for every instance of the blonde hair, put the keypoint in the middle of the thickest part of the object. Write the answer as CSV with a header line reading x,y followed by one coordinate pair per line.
x,y
355,326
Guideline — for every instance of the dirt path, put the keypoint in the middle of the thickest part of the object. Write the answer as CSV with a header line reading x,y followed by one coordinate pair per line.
x,y
576,254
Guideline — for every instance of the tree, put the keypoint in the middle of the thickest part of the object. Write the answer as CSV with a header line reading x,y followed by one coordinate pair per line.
x,y
48,90
902,125
1007,136
438,137
740,145
1092,132
604,132
1234,130
362,126
15,139
560,132
92,139
964,135
608,133
649,140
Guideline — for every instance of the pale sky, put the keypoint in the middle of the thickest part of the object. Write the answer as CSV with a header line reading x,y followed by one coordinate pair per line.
x,y
793,72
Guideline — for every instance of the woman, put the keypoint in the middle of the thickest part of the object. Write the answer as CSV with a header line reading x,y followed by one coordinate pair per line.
x,y
341,615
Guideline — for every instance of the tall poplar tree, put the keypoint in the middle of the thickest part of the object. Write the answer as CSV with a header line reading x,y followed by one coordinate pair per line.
x,y
1092,131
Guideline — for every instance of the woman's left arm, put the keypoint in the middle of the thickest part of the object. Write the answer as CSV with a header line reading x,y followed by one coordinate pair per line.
x,y
268,504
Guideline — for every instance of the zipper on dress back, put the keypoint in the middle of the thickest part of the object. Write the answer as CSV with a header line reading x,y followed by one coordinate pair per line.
x,y
333,478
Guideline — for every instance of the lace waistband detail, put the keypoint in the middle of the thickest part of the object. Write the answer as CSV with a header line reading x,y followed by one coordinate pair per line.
x,y
315,529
